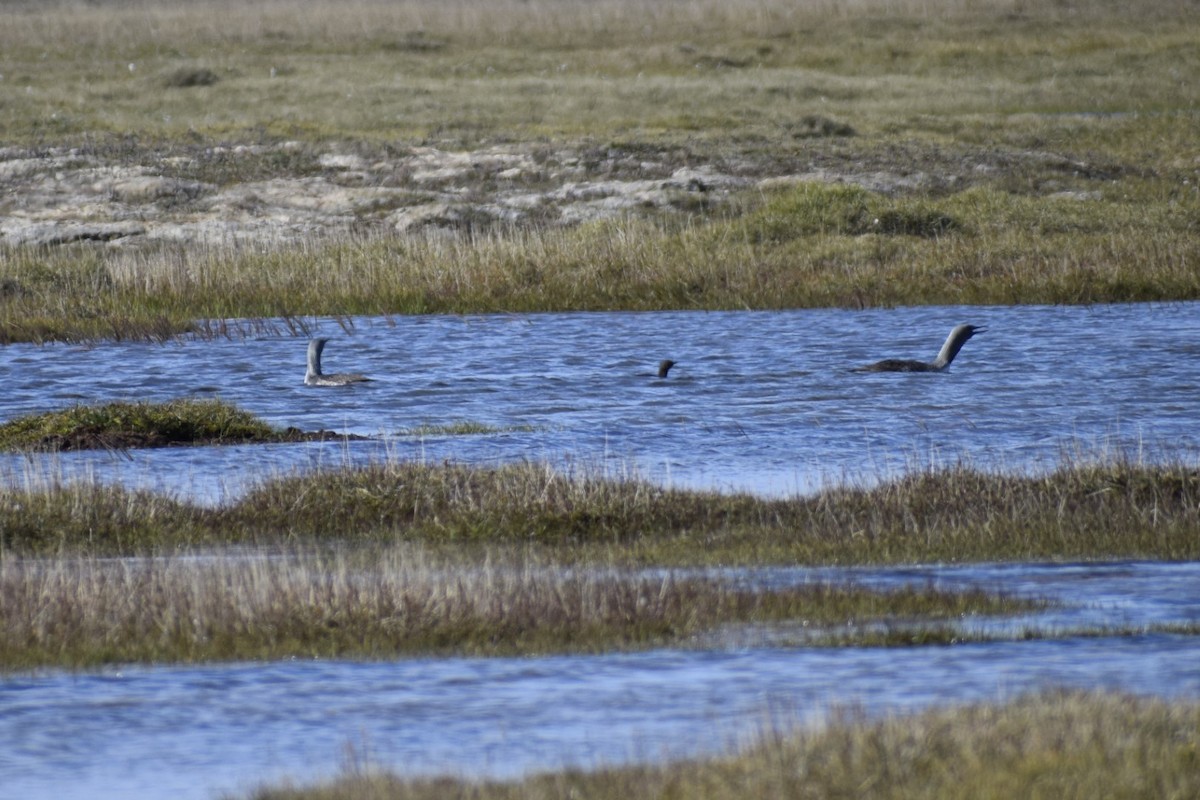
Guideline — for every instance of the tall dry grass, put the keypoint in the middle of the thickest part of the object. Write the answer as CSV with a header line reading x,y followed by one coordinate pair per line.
x,y
809,245
1116,509
398,601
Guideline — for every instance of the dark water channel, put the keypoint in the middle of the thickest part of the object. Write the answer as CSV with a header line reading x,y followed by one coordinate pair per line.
x,y
758,401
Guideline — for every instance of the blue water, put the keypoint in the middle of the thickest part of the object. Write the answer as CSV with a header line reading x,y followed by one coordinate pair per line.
x,y
191,732
759,401
762,401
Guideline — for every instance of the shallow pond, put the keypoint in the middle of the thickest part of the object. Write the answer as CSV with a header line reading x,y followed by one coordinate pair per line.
x,y
190,732
758,401
763,401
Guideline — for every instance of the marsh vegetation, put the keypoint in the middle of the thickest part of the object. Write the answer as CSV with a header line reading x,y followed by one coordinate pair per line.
x,y
123,425
584,157
294,159
1086,511
397,557
394,602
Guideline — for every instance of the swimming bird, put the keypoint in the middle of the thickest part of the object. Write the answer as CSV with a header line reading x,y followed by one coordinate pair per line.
x,y
954,342
314,376
664,367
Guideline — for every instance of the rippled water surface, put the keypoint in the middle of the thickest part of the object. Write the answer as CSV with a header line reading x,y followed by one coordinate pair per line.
x,y
758,401
762,401
189,732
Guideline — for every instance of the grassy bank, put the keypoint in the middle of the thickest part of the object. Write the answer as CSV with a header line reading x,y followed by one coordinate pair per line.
x,y
886,153
807,245
393,602
402,559
1111,510
682,71
1050,745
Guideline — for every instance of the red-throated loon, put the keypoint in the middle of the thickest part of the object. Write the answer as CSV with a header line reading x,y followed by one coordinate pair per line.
x,y
954,342
314,376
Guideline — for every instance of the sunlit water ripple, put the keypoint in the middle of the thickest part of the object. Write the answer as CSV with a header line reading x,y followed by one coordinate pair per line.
x,y
762,401
759,401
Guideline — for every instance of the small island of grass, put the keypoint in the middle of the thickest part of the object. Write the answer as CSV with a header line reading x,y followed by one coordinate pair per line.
x,y
124,425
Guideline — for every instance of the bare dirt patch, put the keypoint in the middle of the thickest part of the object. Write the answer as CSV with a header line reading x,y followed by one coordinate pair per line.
x,y
287,192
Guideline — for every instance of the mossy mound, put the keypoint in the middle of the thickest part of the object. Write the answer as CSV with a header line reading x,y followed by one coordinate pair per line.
x,y
126,425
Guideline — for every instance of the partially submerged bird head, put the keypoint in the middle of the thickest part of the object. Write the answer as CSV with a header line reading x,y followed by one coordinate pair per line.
x,y
954,342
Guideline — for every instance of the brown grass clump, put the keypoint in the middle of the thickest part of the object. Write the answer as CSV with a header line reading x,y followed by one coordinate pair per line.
x,y
958,514
379,604
1108,510
92,517
188,77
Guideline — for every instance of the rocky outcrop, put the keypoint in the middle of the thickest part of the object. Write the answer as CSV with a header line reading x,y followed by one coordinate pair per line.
x,y
284,193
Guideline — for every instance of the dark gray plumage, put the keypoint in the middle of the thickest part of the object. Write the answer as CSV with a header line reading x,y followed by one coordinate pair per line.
x,y
954,342
314,377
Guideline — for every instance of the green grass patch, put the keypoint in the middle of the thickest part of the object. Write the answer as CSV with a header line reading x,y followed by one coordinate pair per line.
x,y
123,425
463,73
937,633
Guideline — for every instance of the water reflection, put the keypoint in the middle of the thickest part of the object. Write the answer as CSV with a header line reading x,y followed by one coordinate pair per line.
x,y
763,401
